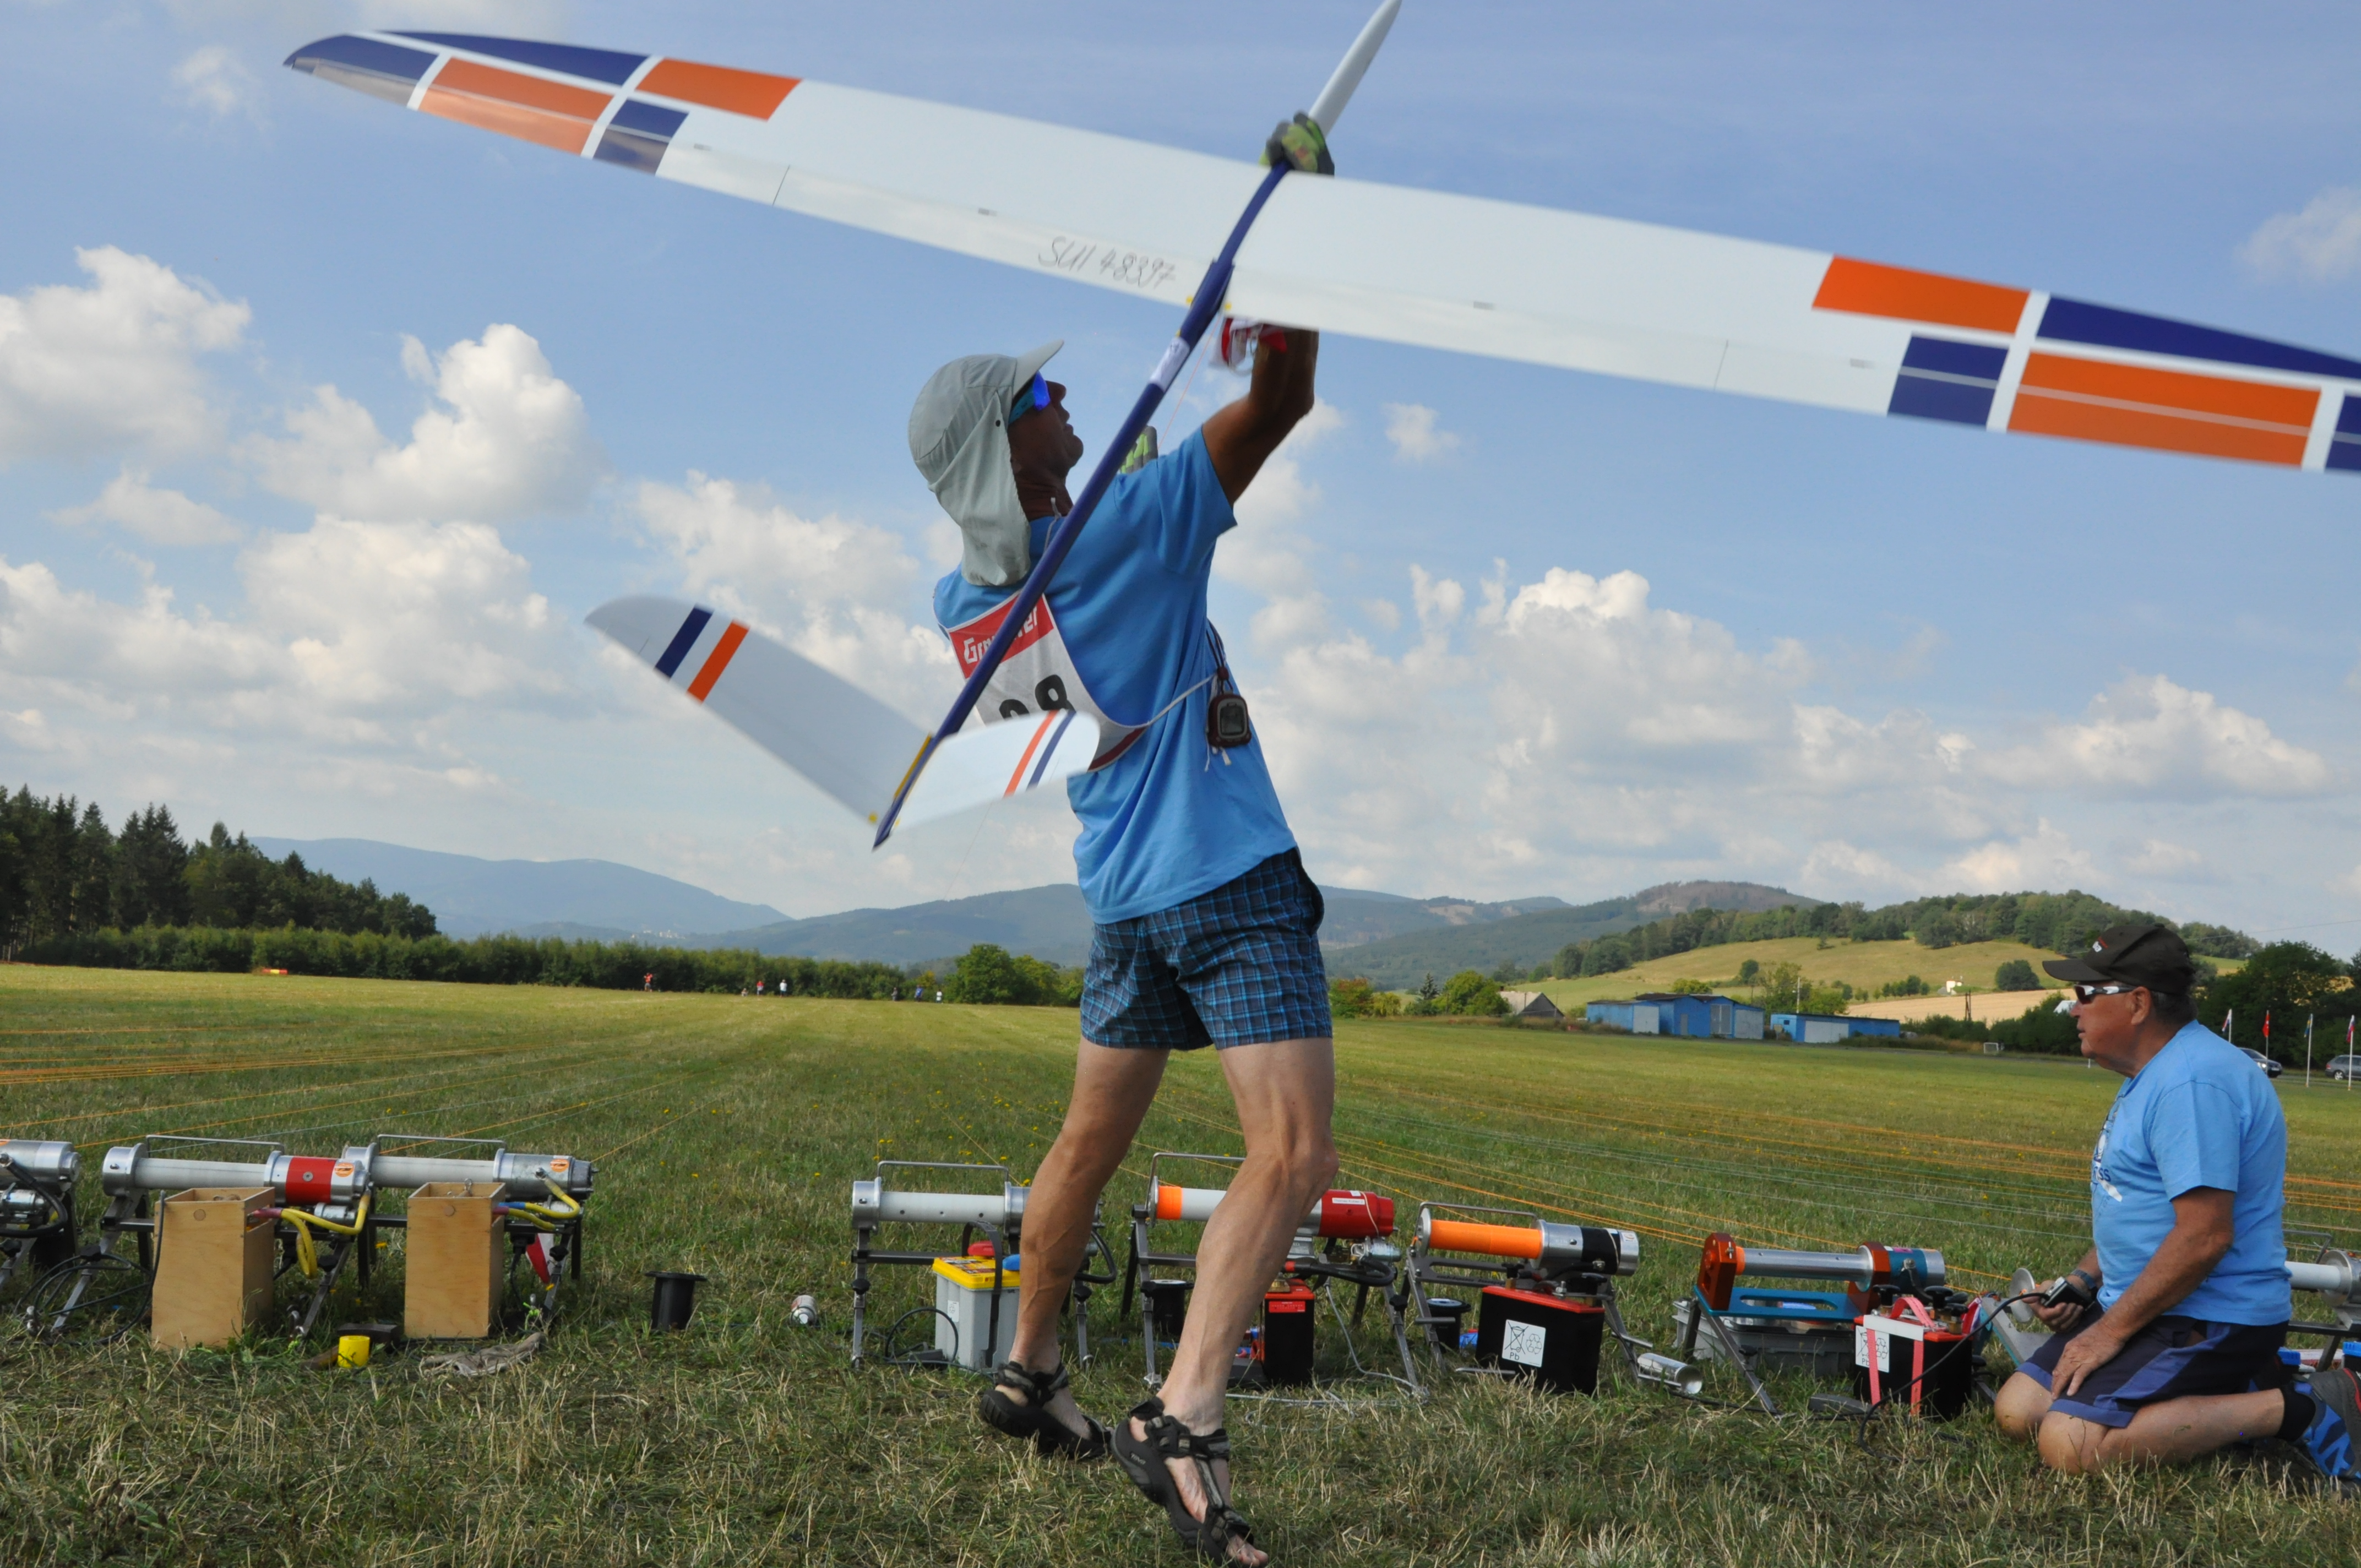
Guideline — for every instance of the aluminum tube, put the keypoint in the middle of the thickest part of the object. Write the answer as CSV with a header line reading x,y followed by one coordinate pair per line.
x,y
1777,1263
943,1207
153,1175
2333,1277
528,1176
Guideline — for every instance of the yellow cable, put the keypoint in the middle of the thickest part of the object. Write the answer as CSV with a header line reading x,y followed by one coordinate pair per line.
x,y
307,1251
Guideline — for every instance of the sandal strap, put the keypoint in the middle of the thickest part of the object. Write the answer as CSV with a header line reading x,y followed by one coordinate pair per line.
x,y
1039,1387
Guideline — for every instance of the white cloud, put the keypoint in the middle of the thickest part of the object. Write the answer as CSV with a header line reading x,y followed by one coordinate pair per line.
x,y
158,516
2148,736
112,365
403,619
2158,857
2321,243
1411,430
2043,858
837,591
213,79
503,439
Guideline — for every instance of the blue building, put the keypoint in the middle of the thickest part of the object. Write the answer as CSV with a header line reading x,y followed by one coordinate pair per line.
x,y
1637,1017
1696,1017
1826,1029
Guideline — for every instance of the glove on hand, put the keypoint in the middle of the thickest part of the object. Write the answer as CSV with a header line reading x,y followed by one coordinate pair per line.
x,y
1301,145
1235,346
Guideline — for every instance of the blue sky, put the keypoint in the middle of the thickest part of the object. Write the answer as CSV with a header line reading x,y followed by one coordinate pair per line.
x,y
1858,657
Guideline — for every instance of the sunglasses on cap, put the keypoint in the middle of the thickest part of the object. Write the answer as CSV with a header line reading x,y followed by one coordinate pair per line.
x,y
1035,396
2084,993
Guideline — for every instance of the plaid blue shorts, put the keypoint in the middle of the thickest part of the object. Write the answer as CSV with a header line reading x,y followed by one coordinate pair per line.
x,y
1237,966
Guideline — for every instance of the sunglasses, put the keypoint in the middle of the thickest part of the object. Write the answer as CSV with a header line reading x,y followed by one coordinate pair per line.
x,y
1035,396
2084,993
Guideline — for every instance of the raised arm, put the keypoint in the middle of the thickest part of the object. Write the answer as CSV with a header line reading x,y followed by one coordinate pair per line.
x,y
1241,437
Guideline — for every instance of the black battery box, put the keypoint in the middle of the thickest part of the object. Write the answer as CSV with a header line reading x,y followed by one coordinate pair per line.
x,y
1287,1316
1552,1339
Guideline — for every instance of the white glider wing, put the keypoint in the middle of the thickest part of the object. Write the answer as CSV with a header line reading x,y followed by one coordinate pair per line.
x,y
853,747
1388,262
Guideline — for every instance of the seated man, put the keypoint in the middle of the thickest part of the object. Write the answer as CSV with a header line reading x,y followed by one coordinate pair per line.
x,y
2176,1354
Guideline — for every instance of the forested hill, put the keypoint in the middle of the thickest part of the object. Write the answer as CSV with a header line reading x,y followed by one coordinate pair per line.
x,y
1525,943
63,873
1507,949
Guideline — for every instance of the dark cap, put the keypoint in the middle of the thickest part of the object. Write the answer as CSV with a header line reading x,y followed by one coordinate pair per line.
x,y
2152,955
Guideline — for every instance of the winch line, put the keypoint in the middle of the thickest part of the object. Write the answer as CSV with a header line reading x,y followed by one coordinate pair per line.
x,y
2072,1192
1760,1173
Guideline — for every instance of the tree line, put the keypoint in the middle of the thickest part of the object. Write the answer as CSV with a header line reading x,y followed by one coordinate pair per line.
x,y
2055,922
63,873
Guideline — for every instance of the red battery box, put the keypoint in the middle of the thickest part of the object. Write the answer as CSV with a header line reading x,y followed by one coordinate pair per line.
x,y
1554,1340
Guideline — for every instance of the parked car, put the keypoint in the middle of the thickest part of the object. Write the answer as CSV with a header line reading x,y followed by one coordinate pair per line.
x,y
2261,1060
2347,1067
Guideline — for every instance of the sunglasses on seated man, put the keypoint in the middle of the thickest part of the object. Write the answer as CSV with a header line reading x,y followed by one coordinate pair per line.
x,y
2084,993
1035,396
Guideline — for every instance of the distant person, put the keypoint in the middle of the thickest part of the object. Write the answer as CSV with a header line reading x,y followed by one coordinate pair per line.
x,y
1204,924
897,993
648,981
2177,1352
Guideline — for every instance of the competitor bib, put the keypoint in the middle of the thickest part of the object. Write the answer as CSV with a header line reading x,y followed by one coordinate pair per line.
x,y
1036,677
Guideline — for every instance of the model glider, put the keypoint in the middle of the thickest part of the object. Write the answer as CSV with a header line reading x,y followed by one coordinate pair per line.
x,y
856,748
1384,261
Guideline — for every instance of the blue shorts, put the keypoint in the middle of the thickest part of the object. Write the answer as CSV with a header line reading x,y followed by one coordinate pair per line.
x,y
1237,966
2172,1357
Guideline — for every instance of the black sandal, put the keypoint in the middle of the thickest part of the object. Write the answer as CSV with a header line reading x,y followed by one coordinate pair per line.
x,y
1052,1437
1144,1459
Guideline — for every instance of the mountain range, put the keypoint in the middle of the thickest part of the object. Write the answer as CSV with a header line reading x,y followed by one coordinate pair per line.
x,y
1389,937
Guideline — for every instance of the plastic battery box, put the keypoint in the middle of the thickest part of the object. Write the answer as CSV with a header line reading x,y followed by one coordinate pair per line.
x,y
1287,1316
1918,1367
963,1297
1552,1339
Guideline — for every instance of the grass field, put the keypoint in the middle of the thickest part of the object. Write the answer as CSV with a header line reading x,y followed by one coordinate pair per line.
x,y
727,1131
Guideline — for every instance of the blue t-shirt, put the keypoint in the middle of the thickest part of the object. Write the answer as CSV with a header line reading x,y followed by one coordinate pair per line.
x,y
1172,816
2199,1114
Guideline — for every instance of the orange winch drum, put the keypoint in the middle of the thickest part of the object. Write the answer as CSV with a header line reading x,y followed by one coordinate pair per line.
x,y
1489,1240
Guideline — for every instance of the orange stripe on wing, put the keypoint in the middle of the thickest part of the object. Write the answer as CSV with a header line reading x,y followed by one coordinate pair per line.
x,y
527,107
719,87
716,661
1031,746
1868,289
2170,411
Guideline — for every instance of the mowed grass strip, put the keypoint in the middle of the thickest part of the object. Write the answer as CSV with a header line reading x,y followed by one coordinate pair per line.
x,y
728,1131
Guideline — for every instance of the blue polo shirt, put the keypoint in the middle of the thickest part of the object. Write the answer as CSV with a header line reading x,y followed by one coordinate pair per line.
x,y
1172,816
2199,1114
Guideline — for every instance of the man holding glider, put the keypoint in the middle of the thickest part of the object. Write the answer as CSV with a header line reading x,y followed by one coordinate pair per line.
x,y
1206,923
2172,1351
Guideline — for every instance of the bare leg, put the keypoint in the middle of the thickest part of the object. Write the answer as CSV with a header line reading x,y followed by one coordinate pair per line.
x,y
1285,1095
2168,1432
2019,1407
1113,1090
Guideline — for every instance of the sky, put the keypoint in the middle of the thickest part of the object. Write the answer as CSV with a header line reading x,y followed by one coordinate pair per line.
x,y
322,427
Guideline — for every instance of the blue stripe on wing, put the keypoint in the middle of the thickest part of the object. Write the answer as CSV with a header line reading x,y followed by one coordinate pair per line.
x,y
683,640
591,64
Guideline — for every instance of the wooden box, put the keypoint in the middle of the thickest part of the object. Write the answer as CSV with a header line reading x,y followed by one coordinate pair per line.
x,y
212,1265
457,1261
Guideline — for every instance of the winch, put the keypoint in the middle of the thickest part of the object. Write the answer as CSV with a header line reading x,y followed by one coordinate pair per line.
x,y
998,1215
324,1210
1820,1332
1345,1237
1544,1294
37,1205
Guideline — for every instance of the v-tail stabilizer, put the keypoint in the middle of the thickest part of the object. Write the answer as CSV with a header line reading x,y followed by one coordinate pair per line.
x,y
854,747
